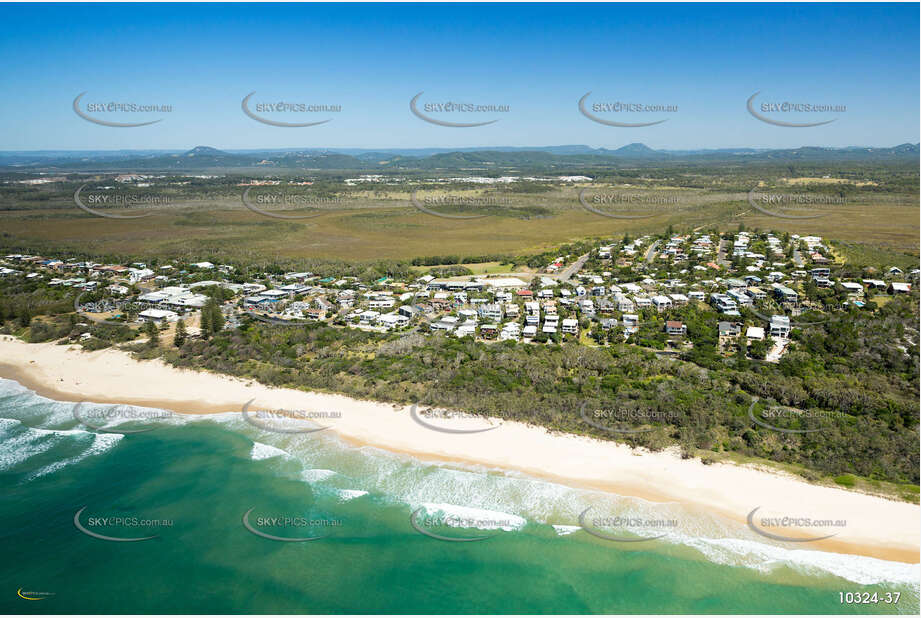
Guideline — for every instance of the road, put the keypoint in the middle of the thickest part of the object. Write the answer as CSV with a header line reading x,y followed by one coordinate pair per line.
x,y
567,273
651,252
721,253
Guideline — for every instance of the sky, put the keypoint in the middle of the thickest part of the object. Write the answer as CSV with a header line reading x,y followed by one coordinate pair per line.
x,y
539,60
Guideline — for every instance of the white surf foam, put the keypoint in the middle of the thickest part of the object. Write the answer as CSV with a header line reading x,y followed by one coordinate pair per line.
x,y
17,448
471,517
765,558
350,494
315,475
266,451
412,482
101,443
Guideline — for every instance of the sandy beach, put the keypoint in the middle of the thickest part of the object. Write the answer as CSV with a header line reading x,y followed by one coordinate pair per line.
x,y
875,526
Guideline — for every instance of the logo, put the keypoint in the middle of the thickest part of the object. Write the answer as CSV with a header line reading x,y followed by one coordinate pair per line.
x,y
275,321
452,107
456,201
645,416
113,106
32,595
286,416
788,107
115,521
418,419
120,413
282,106
623,107
286,522
79,309
771,204
628,202
783,412
104,200
273,200
624,522
420,523
792,522
792,321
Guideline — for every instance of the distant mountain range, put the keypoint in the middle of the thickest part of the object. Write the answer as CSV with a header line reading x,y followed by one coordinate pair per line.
x,y
497,157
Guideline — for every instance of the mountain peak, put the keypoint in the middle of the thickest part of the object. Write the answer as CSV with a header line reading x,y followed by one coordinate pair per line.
x,y
636,148
199,151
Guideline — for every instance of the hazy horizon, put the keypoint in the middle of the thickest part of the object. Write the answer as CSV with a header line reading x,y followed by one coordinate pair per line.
x,y
465,148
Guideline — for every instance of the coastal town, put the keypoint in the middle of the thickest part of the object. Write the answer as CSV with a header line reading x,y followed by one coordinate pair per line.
x,y
752,290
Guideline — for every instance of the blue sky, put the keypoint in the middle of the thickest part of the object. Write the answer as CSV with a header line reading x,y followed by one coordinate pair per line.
x,y
539,59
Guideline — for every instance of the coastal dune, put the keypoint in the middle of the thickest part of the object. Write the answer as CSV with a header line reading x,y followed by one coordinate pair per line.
x,y
872,526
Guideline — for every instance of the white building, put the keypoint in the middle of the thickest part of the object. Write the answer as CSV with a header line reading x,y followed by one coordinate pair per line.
x,y
662,302
158,315
780,326
755,333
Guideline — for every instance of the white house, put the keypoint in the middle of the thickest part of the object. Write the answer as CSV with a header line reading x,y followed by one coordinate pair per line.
x,y
662,302
852,288
755,333
158,315
393,320
780,326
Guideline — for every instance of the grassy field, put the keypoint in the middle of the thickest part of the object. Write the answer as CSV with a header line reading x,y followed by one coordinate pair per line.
x,y
480,268
387,226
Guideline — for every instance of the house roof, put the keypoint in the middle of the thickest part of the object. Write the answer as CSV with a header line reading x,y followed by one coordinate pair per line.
x,y
755,332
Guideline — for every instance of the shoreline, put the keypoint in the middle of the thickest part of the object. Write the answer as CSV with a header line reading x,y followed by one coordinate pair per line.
x,y
876,527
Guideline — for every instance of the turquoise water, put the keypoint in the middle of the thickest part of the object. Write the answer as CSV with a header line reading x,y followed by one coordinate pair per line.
x,y
197,476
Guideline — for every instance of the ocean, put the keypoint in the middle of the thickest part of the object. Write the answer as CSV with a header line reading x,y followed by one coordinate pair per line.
x,y
226,517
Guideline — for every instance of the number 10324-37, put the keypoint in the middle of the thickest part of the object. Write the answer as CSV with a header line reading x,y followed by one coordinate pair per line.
x,y
854,598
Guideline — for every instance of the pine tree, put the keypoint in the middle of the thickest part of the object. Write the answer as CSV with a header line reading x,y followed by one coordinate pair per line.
x,y
217,318
205,322
153,334
180,334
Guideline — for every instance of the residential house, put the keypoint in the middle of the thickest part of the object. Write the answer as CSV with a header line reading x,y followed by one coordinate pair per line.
x,y
675,328
780,326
